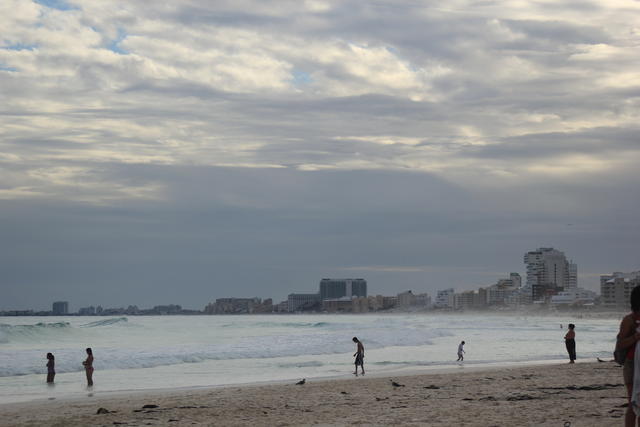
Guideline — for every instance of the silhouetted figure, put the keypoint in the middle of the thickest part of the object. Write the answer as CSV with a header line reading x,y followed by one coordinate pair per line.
x,y
460,352
88,367
302,381
627,339
51,368
359,355
570,342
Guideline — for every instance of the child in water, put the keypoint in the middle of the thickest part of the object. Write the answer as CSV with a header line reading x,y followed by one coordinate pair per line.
x,y
460,352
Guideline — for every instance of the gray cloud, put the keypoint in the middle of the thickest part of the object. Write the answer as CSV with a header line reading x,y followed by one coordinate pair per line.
x,y
252,148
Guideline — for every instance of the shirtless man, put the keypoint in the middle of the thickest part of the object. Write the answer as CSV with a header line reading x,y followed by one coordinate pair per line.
x,y
359,355
570,342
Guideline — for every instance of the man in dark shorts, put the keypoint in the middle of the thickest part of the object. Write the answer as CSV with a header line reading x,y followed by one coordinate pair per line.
x,y
359,355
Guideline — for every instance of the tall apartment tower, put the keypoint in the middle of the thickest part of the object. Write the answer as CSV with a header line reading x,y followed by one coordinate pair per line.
x,y
339,288
516,280
60,308
548,267
616,288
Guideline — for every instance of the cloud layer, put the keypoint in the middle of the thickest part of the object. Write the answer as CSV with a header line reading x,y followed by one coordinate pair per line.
x,y
445,138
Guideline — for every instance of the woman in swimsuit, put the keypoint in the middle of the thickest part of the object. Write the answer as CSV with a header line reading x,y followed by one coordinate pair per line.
x,y
51,368
88,367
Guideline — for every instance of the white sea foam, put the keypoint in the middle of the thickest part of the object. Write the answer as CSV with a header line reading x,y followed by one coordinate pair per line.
x,y
252,340
150,352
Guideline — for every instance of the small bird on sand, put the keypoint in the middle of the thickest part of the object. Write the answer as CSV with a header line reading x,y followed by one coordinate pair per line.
x,y
302,381
395,384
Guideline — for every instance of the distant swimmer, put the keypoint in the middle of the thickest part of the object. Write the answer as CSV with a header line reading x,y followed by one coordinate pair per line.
x,y
359,355
51,368
88,367
460,352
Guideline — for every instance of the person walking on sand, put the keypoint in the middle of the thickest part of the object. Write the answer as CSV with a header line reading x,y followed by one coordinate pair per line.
x,y
570,342
460,352
627,338
88,367
359,355
51,368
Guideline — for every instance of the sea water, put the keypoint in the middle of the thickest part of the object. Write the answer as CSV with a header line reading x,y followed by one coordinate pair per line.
x,y
156,352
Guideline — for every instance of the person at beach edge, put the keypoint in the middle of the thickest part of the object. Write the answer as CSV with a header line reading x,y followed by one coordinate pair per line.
x,y
570,343
88,367
460,352
627,339
51,368
359,355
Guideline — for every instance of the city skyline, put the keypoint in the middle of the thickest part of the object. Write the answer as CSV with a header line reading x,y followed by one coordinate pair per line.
x,y
179,151
543,290
543,286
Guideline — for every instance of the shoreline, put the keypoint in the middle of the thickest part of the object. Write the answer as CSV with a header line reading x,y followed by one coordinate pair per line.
x,y
525,310
586,393
413,370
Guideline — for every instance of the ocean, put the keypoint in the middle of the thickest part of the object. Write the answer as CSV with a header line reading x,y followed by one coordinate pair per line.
x,y
159,352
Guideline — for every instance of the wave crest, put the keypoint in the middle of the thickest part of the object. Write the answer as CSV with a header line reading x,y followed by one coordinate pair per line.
x,y
105,322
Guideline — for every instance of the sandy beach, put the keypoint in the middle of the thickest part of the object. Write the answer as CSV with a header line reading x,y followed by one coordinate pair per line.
x,y
584,394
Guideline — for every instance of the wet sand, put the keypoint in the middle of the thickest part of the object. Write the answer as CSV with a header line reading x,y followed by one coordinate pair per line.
x,y
583,394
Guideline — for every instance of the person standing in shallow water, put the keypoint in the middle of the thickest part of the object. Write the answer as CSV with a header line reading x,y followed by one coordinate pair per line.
x,y
570,342
51,368
460,352
88,367
359,355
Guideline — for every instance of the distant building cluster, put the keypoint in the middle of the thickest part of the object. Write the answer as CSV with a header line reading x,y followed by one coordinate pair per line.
x,y
551,280
350,296
334,295
133,310
61,308
239,306
616,288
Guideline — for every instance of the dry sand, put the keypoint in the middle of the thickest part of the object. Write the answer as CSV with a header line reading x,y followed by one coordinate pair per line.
x,y
583,394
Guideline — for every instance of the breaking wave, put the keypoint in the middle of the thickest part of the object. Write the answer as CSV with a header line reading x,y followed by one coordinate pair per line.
x,y
171,347
105,322
25,332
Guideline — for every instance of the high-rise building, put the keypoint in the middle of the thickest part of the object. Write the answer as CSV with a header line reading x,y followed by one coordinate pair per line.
x,y
60,308
87,311
297,302
573,276
516,280
444,298
339,288
406,299
548,271
615,289
504,291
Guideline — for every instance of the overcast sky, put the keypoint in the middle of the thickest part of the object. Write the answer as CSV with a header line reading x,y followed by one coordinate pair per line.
x,y
182,151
